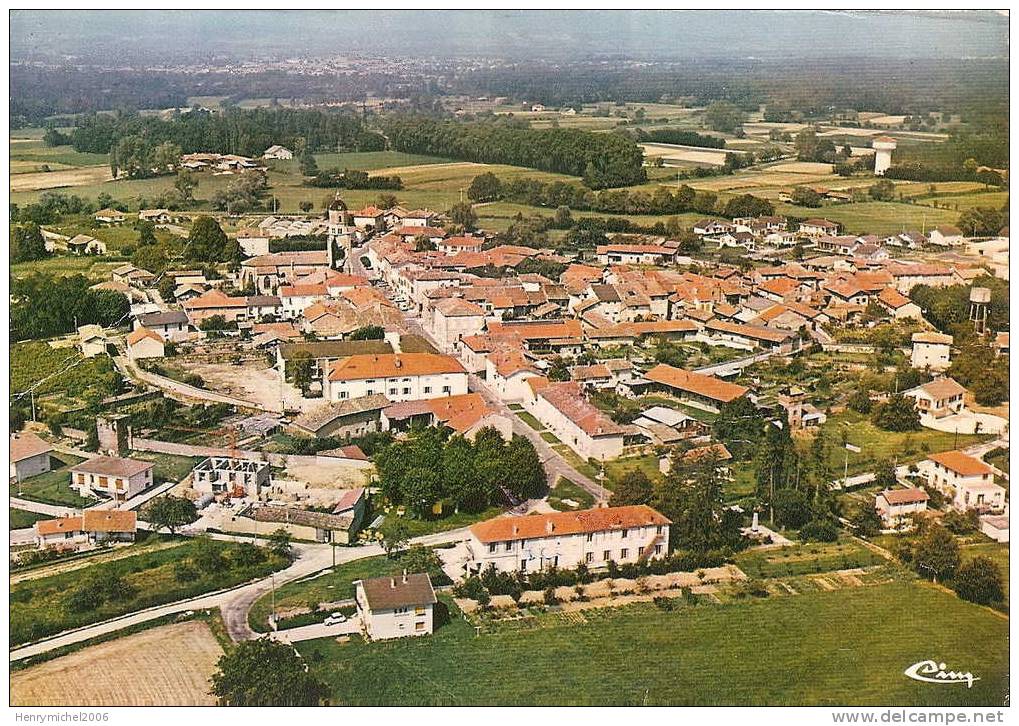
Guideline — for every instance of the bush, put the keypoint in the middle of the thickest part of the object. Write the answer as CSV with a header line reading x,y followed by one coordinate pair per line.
x,y
820,530
550,596
979,581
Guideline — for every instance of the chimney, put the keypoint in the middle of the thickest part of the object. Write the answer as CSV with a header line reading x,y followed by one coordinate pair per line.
x,y
549,526
392,583
397,362
516,529
404,577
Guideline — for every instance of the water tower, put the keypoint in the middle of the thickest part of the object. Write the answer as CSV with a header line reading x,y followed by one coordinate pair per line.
x,y
979,301
883,147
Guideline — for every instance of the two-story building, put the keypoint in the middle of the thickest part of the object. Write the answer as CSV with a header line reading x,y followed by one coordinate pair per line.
x,y
897,507
399,606
111,476
938,398
594,537
397,376
967,482
931,351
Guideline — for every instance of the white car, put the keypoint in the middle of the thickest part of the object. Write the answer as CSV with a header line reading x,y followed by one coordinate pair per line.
x,y
335,619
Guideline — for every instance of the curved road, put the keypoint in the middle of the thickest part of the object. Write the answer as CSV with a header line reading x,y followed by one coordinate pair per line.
x,y
234,603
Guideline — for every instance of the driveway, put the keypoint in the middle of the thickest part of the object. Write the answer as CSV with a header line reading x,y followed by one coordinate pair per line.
x,y
311,632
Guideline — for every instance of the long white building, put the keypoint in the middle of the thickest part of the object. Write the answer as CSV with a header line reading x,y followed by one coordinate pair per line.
x,y
397,376
565,539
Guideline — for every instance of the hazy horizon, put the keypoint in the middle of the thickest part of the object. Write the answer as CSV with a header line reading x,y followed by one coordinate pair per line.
x,y
187,35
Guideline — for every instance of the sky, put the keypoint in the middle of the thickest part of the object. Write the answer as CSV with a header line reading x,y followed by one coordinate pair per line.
x,y
194,35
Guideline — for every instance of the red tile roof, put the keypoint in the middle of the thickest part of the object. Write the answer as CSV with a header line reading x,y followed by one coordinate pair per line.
x,y
696,383
392,365
535,526
960,463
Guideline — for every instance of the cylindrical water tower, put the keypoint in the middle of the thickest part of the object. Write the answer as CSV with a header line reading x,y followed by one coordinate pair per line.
x,y
979,303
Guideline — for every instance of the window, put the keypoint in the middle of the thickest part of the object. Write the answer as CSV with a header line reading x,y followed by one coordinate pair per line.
x,y
625,533
392,391
658,549
589,557
590,537
658,529
624,553
399,610
343,394
427,389
491,547
509,546
406,390
419,610
419,626
446,389
606,555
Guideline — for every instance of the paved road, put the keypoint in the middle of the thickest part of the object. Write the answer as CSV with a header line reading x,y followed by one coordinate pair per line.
x,y
235,602
555,465
39,508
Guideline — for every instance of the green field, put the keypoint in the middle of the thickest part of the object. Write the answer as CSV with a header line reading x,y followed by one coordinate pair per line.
x,y
20,519
41,607
878,445
95,268
800,650
875,217
169,467
53,487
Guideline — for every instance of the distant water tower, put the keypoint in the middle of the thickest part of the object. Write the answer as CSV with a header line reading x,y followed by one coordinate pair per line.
x,y
979,301
883,147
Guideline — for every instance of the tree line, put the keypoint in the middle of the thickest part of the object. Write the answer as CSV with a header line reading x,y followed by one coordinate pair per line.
x,y
234,131
555,194
43,306
353,179
679,136
603,160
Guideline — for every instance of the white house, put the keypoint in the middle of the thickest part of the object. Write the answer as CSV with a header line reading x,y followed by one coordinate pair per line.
x,y
399,606
111,476
564,410
171,325
82,244
454,319
594,537
995,526
898,305
507,371
967,482
145,343
635,254
397,376
897,506
92,340
91,527
938,398
931,350
946,236
278,152
30,455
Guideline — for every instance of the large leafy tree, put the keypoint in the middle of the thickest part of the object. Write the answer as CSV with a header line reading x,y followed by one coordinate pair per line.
x,y
27,243
207,242
171,513
979,581
633,488
264,672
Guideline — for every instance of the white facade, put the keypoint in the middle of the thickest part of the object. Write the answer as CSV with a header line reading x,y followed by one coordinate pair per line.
x,y
935,356
566,551
448,330
30,466
119,487
397,389
600,446
395,606
964,491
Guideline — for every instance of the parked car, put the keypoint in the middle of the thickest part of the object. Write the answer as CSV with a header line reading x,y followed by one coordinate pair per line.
x,y
335,619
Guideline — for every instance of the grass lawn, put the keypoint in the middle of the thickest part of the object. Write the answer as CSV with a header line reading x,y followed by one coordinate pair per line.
x,y
168,466
574,460
743,481
54,486
94,268
998,458
875,217
804,559
20,519
878,445
41,607
453,520
616,469
800,650
530,420
566,489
